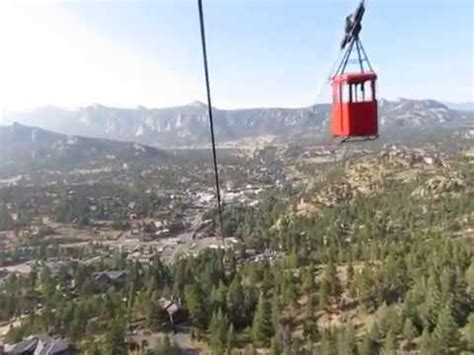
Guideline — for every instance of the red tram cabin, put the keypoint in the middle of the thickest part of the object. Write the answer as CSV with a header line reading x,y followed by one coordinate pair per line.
x,y
354,103
354,109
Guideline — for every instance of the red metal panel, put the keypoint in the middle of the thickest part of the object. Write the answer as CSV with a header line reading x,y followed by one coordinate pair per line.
x,y
336,112
336,119
362,118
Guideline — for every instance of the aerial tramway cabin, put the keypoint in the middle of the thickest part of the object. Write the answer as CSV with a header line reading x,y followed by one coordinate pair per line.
x,y
354,108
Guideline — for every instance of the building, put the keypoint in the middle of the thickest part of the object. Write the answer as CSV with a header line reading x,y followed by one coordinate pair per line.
x,y
176,313
40,345
107,278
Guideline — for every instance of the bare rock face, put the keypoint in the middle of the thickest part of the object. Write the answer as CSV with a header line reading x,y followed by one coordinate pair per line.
x,y
437,186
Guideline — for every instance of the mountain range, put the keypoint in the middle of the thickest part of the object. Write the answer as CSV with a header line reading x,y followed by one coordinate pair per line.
x,y
23,148
461,106
188,124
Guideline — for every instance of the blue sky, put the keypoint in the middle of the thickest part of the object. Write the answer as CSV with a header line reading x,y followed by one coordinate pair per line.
x,y
261,52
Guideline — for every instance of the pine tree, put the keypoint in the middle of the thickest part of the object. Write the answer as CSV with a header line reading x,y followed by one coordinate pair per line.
x,y
77,326
262,327
389,345
470,333
388,319
381,318
276,348
235,297
219,296
324,292
276,311
247,308
327,344
155,317
166,347
446,283
196,305
115,338
409,331
219,327
268,279
330,274
371,341
375,333
365,347
91,347
469,277
310,324
460,299
365,285
231,338
350,278
249,350
425,343
346,340
446,333
433,303
308,283
288,288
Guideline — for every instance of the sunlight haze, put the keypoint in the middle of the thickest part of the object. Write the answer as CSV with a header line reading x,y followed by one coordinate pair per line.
x,y
269,53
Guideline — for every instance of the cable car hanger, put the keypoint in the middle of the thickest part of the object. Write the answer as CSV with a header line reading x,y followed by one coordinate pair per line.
x,y
351,38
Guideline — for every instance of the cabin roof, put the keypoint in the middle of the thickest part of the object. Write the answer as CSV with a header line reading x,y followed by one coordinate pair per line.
x,y
353,78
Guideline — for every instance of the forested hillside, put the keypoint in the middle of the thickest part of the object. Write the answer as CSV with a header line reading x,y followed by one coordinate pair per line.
x,y
373,257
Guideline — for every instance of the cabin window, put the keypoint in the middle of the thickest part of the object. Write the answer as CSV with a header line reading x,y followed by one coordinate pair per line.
x,y
356,93
362,92
346,93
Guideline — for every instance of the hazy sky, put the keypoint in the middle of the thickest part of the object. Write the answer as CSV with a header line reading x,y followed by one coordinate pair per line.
x,y
262,52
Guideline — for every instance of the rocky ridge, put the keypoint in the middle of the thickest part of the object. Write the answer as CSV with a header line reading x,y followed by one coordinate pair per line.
x,y
433,175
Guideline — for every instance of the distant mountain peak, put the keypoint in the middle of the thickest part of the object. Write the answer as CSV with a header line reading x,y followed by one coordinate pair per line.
x,y
24,147
198,103
461,106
